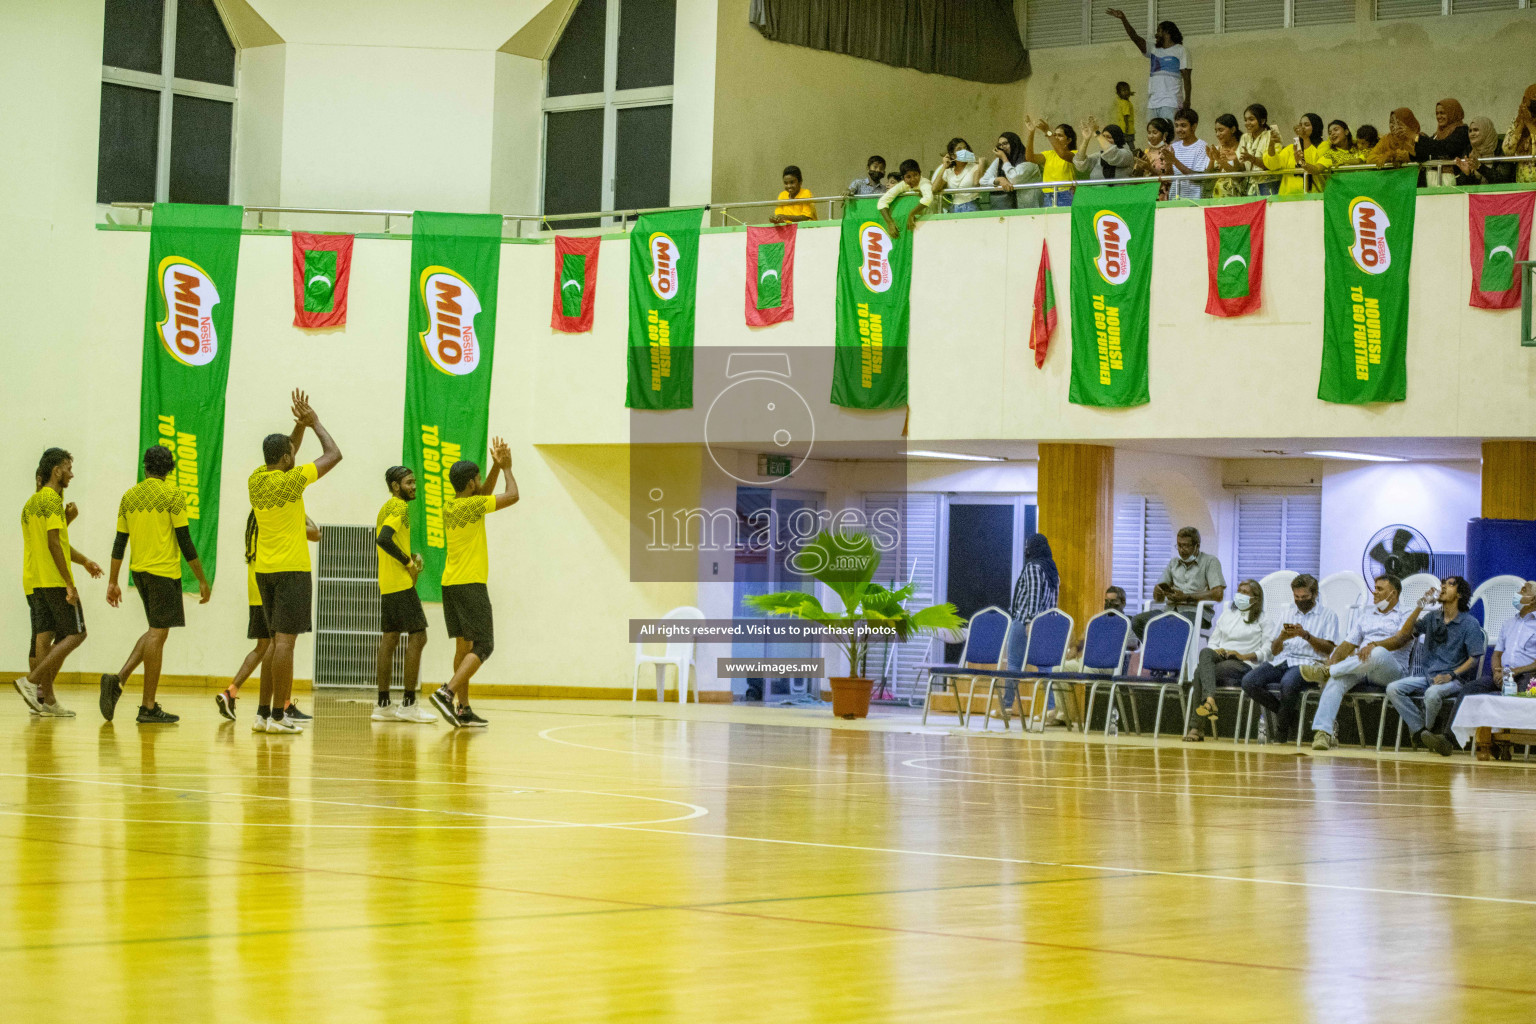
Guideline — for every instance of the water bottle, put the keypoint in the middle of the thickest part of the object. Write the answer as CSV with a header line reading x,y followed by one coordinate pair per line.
x,y
1263,728
1509,682
1114,721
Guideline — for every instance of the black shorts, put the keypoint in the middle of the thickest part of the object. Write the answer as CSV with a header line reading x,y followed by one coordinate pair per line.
x,y
401,612
286,597
467,612
51,613
162,600
257,629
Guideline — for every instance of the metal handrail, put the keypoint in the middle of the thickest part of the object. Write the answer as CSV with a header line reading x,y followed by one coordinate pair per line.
x,y
624,216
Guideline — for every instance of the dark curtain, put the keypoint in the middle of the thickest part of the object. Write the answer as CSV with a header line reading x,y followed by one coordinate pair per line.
x,y
977,40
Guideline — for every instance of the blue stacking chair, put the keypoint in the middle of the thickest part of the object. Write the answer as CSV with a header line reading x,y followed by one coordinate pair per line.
x,y
1044,649
1104,644
1164,657
986,645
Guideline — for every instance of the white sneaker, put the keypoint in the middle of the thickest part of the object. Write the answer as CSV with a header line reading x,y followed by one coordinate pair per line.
x,y
385,713
28,690
56,710
282,725
415,713
259,724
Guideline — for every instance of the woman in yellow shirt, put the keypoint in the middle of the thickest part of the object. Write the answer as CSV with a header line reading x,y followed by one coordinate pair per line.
x,y
791,212
1310,152
1056,163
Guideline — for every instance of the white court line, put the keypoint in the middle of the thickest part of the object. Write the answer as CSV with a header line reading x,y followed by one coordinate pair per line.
x,y
696,811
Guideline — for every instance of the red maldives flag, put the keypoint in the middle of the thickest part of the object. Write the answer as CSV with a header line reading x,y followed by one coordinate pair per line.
x,y
1234,251
1500,226
1043,324
322,267
770,274
575,283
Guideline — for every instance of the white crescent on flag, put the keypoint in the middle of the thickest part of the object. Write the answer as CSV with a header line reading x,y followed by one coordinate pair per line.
x,y
764,275
320,279
1501,248
572,283
1238,258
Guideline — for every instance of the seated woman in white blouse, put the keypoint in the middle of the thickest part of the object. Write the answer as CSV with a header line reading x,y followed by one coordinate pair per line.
x,y
1237,641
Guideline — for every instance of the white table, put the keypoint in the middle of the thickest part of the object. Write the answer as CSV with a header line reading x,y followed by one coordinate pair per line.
x,y
1493,712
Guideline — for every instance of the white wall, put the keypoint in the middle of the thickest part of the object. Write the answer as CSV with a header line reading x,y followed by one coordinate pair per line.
x,y
1361,498
693,100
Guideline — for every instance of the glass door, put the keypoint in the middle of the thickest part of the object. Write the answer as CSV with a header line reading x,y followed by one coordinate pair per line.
x,y
773,526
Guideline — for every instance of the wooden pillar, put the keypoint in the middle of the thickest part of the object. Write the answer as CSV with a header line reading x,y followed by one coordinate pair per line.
x,y
1509,479
1077,515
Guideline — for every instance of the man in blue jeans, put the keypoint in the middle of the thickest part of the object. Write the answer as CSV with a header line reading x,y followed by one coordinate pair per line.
x,y
1308,632
1374,652
1453,645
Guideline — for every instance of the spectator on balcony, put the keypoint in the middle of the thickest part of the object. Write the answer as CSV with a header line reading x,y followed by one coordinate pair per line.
x,y
1008,170
873,182
1344,149
1123,113
1309,151
1169,78
1453,646
1189,156
1308,632
912,180
1191,576
1520,140
789,213
1056,162
1157,159
892,180
956,177
1236,644
1401,140
1485,143
1224,156
1254,146
1366,138
1035,591
1114,158
1451,141
1376,651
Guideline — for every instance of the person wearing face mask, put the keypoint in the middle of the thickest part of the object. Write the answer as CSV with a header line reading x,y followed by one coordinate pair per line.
x,y
956,177
1308,633
1191,576
1237,640
1516,646
1453,645
1376,652
1114,601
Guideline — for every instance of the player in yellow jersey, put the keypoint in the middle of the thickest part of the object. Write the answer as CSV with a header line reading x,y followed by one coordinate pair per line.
x,y
70,512
282,551
58,624
399,607
466,601
152,516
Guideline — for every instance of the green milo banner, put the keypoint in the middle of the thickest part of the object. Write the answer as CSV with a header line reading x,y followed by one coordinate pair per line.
x,y
455,259
189,312
1367,252
874,288
663,289
1111,286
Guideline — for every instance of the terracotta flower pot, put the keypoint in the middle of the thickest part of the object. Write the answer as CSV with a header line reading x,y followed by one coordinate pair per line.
x,y
850,696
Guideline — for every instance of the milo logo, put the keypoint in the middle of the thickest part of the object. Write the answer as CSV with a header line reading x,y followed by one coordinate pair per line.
x,y
1369,223
451,305
187,332
663,266
874,256
1114,235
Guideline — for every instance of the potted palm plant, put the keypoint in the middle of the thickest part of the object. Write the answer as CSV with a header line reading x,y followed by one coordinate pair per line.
x,y
846,563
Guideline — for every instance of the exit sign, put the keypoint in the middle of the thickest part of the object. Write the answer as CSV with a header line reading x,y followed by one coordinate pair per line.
x,y
774,465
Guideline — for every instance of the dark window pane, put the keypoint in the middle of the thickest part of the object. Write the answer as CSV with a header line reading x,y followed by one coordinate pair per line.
x,y
646,41
200,137
643,158
576,66
130,36
127,145
573,164
203,50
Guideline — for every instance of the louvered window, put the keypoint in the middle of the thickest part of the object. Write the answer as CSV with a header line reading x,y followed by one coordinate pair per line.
x,y
1054,23
1250,15
1479,6
1277,531
1322,12
1391,10
1144,543
1194,17
895,666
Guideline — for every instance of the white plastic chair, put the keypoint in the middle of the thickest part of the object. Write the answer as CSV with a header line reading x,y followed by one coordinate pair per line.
x,y
1496,594
679,654
1417,585
1343,593
1277,591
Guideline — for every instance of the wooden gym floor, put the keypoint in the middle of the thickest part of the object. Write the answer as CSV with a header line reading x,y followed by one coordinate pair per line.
x,y
596,861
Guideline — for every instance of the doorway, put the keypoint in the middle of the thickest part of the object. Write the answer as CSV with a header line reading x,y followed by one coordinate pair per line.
x,y
764,565
983,550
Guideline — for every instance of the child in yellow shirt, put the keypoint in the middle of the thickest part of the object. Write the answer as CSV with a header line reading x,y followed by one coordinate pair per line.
x,y
1123,113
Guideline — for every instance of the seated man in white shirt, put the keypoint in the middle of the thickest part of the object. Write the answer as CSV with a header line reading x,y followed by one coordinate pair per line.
x,y
1375,652
1308,633
912,180
1238,640
1515,648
